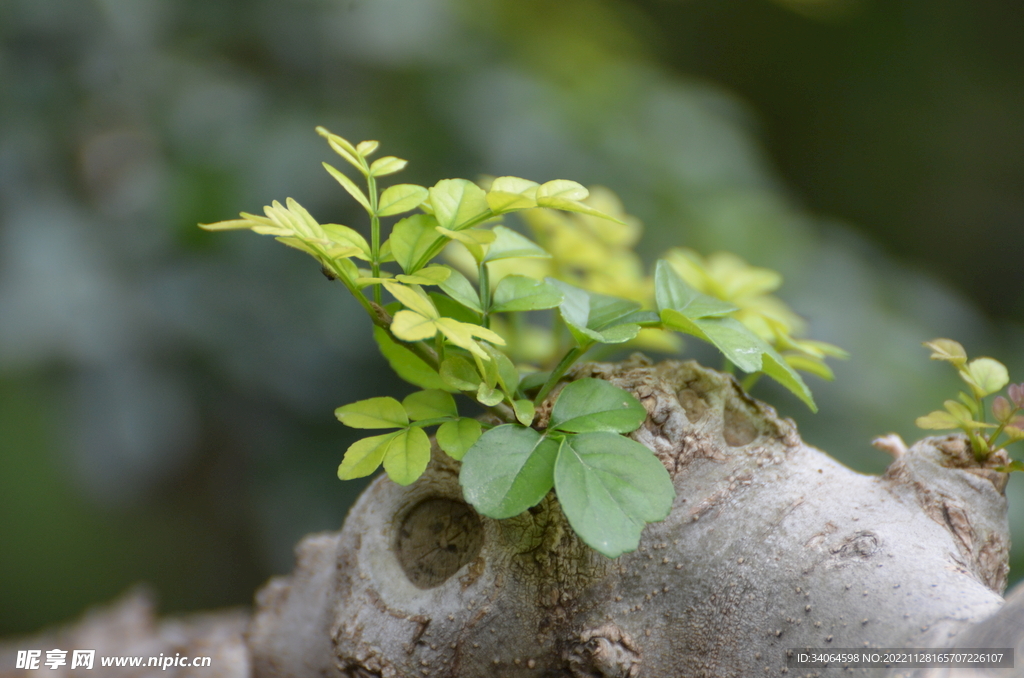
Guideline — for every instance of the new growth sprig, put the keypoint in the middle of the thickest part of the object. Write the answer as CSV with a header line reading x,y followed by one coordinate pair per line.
x,y
984,377
470,327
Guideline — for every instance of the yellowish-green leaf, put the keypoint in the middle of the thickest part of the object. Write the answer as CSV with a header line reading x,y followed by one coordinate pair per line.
x,y
400,198
508,194
431,275
228,225
409,326
938,420
412,239
413,298
430,404
367,148
389,164
456,437
461,334
373,413
562,189
345,237
364,456
349,186
457,203
342,147
476,240
947,349
303,246
507,244
407,456
986,376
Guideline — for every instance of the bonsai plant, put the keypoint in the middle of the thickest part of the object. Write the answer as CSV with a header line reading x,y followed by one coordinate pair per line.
x,y
609,519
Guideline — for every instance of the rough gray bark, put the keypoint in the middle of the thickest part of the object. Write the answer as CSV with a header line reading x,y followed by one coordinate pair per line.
x,y
771,545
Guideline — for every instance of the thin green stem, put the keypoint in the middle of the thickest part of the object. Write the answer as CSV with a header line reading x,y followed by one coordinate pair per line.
x,y
563,366
436,248
485,293
371,184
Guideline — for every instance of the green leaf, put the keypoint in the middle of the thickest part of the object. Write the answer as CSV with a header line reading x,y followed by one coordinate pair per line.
x,y
510,245
476,240
948,350
742,347
456,437
519,293
413,298
505,371
596,317
400,198
488,395
407,456
367,148
430,404
364,456
412,238
525,411
937,420
609,488
562,194
389,164
508,470
588,405
347,237
457,202
449,308
430,275
1014,465
776,367
343,148
459,374
508,194
373,413
407,364
458,287
986,376
349,186
671,291
963,416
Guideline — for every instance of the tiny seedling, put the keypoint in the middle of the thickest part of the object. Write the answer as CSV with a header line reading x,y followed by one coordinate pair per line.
x,y
984,377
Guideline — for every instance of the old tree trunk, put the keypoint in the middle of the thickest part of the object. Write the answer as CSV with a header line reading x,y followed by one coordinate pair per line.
x,y
770,545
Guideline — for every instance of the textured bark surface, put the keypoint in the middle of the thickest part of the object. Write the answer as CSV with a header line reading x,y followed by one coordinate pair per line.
x,y
771,545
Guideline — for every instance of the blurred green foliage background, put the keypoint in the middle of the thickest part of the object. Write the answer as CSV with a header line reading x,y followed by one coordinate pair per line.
x,y
166,394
